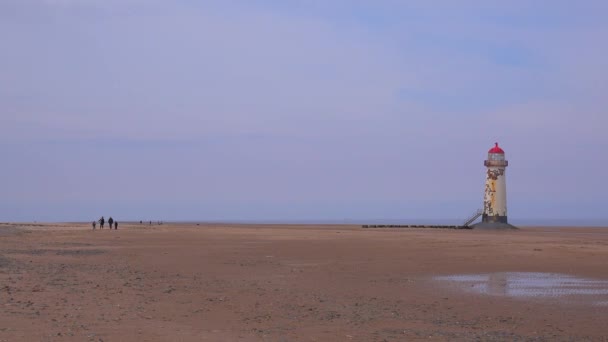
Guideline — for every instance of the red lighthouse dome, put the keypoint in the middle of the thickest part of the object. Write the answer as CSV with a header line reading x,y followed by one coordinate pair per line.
x,y
496,149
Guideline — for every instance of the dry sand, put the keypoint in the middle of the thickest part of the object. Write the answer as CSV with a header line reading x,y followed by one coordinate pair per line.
x,y
288,283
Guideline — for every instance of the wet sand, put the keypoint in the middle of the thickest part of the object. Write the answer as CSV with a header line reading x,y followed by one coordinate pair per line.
x,y
65,282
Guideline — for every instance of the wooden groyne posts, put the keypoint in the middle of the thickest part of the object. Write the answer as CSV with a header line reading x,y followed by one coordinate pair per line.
x,y
437,226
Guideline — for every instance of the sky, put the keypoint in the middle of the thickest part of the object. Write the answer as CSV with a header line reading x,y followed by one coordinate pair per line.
x,y
239,110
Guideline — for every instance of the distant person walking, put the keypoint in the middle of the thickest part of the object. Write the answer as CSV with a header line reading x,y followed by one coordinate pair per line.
x,y
102,221
111,222
94,224
115,225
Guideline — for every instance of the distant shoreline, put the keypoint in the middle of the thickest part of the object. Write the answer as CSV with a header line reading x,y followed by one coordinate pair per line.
x,y
523,223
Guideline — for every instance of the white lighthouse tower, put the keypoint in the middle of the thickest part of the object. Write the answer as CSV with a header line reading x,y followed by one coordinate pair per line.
x,y
495,196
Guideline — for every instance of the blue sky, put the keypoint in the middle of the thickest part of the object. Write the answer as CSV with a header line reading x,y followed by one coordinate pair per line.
x,y
300,110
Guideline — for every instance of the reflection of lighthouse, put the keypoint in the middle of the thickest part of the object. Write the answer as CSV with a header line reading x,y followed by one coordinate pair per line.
x,y
495,196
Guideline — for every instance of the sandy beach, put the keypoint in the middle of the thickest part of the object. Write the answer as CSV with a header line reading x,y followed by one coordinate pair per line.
x,y
221,282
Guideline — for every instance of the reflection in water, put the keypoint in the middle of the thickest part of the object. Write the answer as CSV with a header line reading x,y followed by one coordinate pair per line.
x,y
533,285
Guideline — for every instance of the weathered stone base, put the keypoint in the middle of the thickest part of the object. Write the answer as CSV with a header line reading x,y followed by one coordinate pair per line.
x,y
493,225
495,218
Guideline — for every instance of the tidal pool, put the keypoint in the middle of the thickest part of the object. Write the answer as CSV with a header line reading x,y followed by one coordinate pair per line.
x,y
527,285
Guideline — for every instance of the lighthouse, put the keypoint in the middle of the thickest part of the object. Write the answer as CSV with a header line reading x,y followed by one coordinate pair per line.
x,y
494,213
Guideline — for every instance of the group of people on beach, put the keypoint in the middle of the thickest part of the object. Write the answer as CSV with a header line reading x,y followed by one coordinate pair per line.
x,y
102,222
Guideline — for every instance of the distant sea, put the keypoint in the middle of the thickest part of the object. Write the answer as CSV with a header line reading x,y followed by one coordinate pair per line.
x,y
516,222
